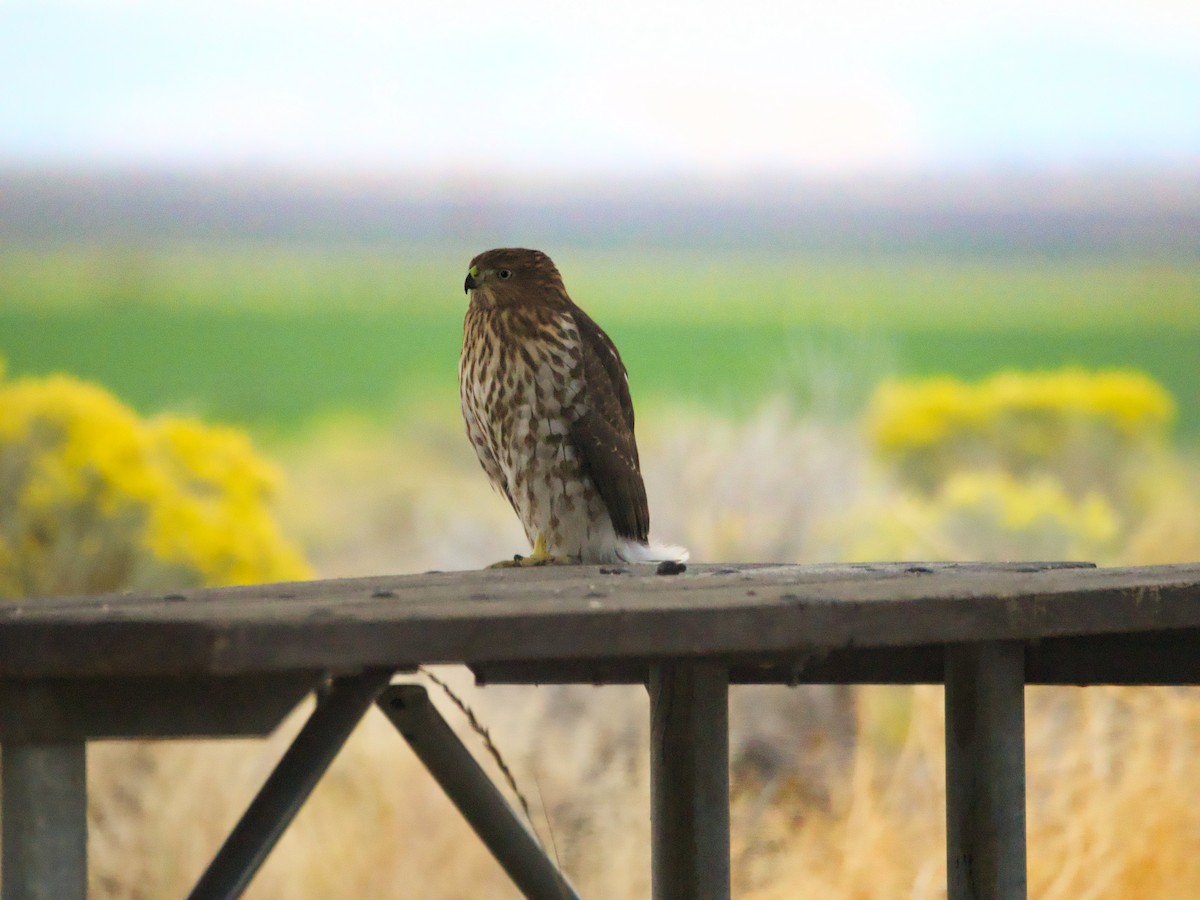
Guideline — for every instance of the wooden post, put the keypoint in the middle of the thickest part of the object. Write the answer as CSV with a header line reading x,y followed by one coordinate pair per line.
x,y
44,821
689,781
985,771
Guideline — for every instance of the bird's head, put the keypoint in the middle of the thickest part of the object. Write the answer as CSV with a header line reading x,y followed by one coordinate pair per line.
x,y
513,276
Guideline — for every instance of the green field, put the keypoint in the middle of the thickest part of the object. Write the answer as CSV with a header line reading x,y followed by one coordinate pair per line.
x,y
275,336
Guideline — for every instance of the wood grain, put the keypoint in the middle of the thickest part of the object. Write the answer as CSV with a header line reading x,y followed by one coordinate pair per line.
x,y
587,614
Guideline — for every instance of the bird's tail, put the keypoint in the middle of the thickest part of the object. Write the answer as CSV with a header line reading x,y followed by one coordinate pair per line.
x,y
637,552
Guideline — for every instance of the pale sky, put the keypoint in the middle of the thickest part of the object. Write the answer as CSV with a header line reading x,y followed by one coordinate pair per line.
x,y
738,87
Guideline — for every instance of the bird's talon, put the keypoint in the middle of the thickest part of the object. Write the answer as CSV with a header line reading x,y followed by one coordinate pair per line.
x,y
529,562
548,560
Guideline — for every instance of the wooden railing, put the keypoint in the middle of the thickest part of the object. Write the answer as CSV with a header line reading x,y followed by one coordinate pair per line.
x,y
235,661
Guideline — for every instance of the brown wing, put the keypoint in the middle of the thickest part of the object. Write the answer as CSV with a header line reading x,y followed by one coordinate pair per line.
x,y
603,436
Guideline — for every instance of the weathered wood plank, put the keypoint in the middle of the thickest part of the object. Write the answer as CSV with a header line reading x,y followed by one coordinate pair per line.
x,y
1144,658
406,594
586,613
78,709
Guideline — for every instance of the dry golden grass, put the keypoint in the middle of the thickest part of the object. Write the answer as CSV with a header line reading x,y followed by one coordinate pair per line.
x,y
837,793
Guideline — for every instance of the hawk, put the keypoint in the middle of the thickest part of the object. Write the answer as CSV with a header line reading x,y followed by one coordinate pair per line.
x,y
546,402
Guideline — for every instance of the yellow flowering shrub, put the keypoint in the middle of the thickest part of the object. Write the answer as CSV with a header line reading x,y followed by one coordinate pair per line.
x,y
93,498
1071,423
1021,465
1012,518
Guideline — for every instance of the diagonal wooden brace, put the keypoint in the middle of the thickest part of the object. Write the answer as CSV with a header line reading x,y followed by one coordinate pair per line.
x,y
297,773
472,791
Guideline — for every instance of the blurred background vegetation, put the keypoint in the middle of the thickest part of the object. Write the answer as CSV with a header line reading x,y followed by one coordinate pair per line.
x,y
309,308
891,282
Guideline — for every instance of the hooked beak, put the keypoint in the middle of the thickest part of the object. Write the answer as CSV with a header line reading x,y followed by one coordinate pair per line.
x,y
471,283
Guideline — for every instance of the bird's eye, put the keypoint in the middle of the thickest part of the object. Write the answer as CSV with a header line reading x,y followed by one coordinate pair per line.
x,y
504,273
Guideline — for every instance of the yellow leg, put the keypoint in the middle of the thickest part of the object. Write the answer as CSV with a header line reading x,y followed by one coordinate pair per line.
x,y
539,557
